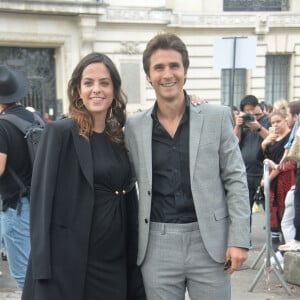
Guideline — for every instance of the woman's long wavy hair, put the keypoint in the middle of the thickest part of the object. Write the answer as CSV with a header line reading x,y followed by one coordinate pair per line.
x,y
116,115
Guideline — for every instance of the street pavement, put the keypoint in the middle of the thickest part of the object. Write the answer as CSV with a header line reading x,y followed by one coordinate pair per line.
x,y
268,286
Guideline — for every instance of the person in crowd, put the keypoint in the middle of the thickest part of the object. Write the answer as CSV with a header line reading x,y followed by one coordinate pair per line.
x,y
293,111
287,222
83,199
251,127
46,117
2,251
281,176
293,120
193,212
266,108
15,166
235,112
281,104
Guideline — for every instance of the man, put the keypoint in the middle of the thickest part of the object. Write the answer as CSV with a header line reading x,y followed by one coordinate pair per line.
x,y
14,163
251,133
193,208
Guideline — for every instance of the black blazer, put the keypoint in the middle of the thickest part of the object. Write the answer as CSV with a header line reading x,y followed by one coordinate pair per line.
x,y
60,218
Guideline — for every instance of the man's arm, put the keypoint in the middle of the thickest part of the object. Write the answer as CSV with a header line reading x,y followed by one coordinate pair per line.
x,y
237,127
261,130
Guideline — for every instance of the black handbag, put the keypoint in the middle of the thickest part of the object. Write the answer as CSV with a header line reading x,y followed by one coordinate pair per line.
x,y
259,196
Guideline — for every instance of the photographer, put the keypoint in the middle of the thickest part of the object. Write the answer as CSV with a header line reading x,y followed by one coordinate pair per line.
x,y
251,127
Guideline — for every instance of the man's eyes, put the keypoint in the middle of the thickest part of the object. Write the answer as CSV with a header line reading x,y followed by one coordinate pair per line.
x,y
172,66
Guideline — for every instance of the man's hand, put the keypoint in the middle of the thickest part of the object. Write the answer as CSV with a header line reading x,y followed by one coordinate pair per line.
x,y
253,125
237,256
239,120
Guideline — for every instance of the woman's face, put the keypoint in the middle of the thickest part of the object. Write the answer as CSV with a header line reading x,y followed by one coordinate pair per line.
x,y
96,89
279,123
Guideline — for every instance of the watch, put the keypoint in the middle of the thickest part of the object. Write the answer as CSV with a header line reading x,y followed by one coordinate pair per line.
x,y
259,128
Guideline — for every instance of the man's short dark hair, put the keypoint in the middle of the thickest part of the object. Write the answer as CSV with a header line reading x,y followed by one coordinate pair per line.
x,y
248,100
294,107
165,41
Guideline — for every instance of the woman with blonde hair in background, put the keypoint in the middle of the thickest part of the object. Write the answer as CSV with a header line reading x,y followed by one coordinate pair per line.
x,y
282,176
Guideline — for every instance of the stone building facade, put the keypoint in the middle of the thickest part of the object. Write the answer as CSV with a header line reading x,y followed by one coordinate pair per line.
x,y
69,29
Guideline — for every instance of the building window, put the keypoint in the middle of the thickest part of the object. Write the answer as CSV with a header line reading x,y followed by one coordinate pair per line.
x,y
239,86
255,5
130,74
277,77
38,64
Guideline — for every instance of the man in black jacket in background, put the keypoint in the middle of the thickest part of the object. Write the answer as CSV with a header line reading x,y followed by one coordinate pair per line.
x,y
15,165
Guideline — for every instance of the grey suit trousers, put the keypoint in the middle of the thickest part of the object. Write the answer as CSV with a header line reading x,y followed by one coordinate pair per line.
x,y
177,260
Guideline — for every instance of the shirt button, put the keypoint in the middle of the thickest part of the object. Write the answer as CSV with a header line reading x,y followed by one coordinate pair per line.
x,y
146,220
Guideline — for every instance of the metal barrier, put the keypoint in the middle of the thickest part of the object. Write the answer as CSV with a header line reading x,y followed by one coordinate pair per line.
x,y
267,248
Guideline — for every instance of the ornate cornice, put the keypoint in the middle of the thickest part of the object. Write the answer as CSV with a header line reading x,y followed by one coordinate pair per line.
x,y
234,20
193,20
136,15
142,15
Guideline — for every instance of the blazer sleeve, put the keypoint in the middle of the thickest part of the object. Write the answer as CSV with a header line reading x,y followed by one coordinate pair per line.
x,y
233,174
41,200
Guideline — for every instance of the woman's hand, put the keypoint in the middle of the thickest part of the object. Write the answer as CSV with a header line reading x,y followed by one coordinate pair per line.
x,y
271,163
195,100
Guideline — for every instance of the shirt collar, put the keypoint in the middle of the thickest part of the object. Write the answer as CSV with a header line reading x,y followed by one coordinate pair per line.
x,y
186,112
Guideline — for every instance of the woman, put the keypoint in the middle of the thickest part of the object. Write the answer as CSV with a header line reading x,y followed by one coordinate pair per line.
x,y
282,176
83,200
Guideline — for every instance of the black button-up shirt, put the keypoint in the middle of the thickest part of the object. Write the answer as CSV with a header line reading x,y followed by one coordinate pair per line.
x,y
172,200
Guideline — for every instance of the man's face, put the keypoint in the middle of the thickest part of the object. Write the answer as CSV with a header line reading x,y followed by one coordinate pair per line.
x,y
291,119
167,74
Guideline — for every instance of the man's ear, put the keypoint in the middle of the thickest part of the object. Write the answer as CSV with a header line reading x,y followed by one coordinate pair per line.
x,y
148,79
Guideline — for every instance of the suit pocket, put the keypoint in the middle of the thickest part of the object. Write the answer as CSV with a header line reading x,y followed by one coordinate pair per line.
x,y
221,213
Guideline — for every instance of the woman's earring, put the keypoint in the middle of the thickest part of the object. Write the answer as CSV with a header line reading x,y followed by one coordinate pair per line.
x,y
79,104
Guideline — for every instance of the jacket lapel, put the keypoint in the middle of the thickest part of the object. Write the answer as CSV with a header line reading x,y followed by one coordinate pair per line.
x,y
147,143
196,122
84,153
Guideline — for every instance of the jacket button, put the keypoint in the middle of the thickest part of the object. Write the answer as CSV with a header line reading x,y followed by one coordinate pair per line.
x,y
149,193
146,221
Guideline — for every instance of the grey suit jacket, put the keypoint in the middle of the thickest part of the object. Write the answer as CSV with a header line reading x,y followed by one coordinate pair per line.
x,y
217,172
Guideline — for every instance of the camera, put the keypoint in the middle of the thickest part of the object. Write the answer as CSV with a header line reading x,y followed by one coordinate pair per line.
x,y
247,117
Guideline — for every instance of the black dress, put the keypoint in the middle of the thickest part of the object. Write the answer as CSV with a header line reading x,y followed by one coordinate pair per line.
x,y
106,266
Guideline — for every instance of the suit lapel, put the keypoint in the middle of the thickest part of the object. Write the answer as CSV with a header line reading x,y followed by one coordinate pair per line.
x,y
147,143
196,122
84,153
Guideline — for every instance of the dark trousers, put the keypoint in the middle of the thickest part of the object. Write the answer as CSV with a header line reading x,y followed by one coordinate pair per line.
x,y
253,183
